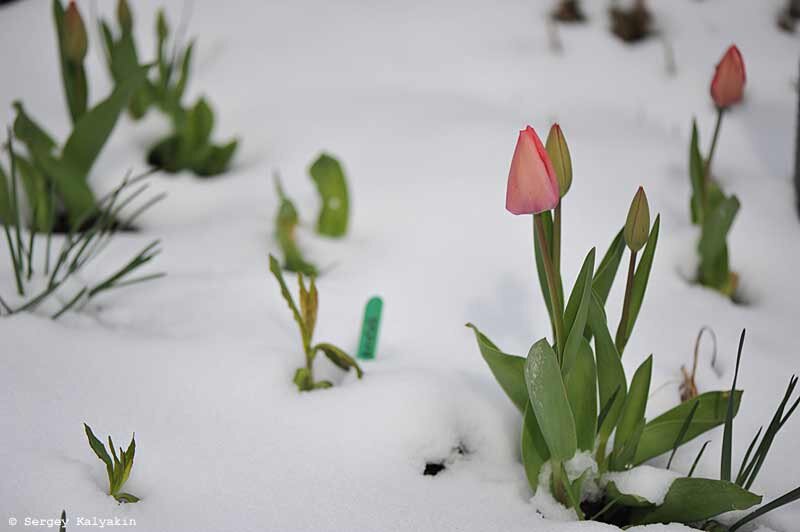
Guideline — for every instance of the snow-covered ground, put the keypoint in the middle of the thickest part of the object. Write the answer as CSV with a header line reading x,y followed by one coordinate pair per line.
x,y
422,101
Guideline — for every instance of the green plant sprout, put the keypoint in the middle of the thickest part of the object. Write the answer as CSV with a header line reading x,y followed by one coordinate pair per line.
x,y
78,249
189,146
332,219
286,222
118,469
573,394
306,318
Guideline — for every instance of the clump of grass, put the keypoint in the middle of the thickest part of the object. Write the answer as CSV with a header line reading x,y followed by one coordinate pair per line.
x,y
118,469
77,250
306,318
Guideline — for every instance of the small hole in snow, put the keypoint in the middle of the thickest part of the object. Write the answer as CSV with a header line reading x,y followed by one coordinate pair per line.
x,y
434,468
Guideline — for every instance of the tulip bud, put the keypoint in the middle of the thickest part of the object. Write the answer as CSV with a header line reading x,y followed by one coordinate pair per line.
x,y
637,226
124,16
162,29
532,182
75,40
727,87
559,155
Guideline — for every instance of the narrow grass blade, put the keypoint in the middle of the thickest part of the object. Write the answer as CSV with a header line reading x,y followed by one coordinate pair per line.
x,y
697,459
772,505
727,437
682,433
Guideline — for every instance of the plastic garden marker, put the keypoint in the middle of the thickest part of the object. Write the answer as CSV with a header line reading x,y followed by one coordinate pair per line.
x,y
370,328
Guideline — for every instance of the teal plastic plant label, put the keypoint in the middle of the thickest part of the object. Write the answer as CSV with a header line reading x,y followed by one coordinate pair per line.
x,y
370,328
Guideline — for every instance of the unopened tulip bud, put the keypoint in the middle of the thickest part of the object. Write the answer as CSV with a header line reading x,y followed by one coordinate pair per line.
x,y
727,87
558,151
532,182
75,40
124,16
637,226
162,29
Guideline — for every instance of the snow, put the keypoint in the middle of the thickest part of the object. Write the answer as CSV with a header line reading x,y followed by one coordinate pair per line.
x,y
422,102
646,481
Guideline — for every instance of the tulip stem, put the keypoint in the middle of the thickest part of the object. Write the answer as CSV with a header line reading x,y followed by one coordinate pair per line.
x,y
622,330
557,239
707,169
555,302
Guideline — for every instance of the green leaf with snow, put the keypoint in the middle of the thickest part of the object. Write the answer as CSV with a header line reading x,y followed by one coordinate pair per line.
x,y
660,433
509,370
630,500
331,183
696,499
548,398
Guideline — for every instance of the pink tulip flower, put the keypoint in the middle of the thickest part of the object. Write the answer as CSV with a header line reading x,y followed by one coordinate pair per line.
x,y
532,181
727,87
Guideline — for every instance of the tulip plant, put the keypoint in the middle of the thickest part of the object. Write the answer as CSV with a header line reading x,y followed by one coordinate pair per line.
x,y
189,146
584,431
306,318
62,171
711,208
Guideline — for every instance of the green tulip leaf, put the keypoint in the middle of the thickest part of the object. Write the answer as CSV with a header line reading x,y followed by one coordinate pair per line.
x,y
581,383
696,499
549,401
610,373
576,313
632,415
660,433
607,270
533,448
93,129
509,370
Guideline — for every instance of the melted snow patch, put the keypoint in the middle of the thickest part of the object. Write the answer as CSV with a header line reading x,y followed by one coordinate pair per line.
x,y
646,481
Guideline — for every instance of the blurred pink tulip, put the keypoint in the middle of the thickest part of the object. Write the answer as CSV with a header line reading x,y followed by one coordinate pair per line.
x,y
532,182
727,87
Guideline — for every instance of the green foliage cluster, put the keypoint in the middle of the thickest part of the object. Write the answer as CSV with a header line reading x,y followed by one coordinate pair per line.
x,y
189,145
332,219
118,469
714,212
306,318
